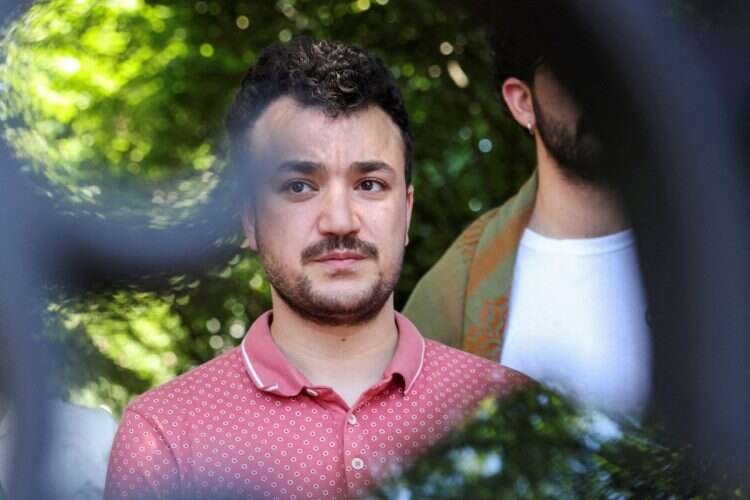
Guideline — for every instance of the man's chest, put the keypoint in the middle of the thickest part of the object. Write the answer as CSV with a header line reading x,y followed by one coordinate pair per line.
x,y
577,322
307,448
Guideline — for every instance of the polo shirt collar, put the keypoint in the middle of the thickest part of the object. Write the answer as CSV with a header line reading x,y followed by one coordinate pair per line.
x,y
272,372
408,359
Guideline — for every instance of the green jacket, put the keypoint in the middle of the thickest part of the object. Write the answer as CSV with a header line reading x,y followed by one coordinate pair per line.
x,y
463,300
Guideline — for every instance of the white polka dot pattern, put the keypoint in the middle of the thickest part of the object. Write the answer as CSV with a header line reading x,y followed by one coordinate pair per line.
x,y
213,432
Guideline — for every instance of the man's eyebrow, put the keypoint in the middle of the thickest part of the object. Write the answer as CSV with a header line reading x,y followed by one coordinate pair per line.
x,y
366,167
299,167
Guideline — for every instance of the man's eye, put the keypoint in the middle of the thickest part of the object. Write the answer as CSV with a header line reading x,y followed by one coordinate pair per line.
x,y
371,186
298,187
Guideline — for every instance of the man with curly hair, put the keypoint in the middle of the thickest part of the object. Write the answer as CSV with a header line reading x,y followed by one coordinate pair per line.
x,y
331,390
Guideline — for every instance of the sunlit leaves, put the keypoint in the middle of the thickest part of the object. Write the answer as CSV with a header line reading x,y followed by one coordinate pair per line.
x,y
89,96
135,330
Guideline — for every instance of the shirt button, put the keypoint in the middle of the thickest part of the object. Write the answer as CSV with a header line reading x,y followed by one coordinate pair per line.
x,y
358,464
352,419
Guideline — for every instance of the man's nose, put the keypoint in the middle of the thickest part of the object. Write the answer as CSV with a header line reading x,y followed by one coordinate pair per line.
x,y
339,215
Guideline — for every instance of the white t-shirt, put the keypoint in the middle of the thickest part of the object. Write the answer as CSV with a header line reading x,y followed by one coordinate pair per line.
x,y
77,454
577,320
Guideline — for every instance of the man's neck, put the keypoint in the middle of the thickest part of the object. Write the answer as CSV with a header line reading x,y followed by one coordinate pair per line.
x,y
349,359
567,209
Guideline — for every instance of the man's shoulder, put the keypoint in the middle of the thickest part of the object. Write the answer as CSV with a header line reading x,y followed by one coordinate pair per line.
x,y
470,237
507,220
200,384
496,219
454,363
436,303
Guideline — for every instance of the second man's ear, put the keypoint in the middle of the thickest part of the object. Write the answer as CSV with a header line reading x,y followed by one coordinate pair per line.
x,y
519,99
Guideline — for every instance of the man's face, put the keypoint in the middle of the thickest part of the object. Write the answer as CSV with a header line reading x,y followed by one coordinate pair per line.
x,y
565,131
331,211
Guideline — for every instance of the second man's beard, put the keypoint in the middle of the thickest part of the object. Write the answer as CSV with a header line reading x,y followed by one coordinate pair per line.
x,y
574,147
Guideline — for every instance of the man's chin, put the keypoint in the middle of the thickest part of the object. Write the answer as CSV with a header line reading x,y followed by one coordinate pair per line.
x,y
352,299
338,305
343,283
334,312
342,305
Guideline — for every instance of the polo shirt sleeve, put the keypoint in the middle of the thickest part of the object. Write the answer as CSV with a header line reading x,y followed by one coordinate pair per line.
x,y
141,464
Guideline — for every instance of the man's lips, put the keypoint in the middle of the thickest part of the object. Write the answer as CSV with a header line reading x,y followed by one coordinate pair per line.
x,y
342,257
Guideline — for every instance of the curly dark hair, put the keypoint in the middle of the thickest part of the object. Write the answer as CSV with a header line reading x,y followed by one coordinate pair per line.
x,y
332,76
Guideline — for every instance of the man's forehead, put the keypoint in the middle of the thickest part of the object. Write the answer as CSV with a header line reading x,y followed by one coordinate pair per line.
x,y
287,130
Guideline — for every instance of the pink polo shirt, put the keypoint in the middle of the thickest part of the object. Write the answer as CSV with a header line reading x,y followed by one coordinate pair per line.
x,y
249,425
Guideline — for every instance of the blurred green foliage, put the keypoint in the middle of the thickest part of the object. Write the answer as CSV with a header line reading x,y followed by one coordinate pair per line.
x,y
124,100
535,445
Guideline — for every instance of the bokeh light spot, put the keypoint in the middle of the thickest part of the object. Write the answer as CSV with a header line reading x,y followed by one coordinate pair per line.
x,y
207,50
216,342
68,65
446,48
201,7
237,330
457,74
243,22
361,5
213,325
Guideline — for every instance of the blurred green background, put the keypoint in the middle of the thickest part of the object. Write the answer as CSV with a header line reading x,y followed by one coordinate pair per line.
x,y
125,99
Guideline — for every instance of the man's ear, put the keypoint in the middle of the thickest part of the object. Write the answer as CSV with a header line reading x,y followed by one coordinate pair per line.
x,y
248,224
519,98
409,206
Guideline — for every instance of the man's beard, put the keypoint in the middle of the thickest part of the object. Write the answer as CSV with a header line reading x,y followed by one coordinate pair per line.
x,y
575,147
297,292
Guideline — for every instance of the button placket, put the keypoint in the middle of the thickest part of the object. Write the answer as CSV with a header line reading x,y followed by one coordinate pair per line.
x,y
355,453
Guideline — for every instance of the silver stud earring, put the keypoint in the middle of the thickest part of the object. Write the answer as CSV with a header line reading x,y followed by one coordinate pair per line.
x,y
531,129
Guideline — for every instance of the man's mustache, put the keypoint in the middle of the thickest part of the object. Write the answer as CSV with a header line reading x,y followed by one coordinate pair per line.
x,y
332,243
